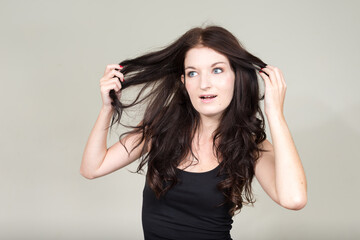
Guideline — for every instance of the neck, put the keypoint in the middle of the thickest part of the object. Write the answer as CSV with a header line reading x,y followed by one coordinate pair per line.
x,y
204,135
207,128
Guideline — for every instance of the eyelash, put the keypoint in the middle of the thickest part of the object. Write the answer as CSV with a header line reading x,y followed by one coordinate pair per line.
x,y
214,69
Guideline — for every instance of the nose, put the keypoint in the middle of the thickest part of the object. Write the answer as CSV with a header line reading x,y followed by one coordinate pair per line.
x,y
205,81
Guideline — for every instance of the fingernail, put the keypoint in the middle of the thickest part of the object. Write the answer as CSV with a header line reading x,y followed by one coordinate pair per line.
x,y
120,66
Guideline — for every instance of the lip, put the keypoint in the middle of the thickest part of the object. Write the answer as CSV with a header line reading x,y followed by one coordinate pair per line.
x,y
207,100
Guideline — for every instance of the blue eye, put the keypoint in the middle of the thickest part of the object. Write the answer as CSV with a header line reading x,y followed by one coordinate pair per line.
x,y
218,69
189,74
193,74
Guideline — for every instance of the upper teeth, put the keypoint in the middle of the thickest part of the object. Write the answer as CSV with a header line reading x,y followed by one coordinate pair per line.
x,y
208,96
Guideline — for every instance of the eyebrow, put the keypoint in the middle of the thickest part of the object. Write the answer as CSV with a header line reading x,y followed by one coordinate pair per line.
x,y
211,65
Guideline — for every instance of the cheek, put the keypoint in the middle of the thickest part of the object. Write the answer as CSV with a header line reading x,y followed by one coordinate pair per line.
x,y
228,85
190,87
190,90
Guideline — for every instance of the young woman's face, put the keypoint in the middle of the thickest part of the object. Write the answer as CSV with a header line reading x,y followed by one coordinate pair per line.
x,y
209,81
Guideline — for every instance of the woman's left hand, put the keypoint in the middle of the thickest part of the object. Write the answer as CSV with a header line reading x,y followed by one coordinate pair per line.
x,y
275,89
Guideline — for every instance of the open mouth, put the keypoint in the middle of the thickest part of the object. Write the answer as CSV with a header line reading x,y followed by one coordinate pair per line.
x,y
208,96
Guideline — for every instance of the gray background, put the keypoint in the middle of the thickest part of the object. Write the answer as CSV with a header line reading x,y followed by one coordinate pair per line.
x,y
53,54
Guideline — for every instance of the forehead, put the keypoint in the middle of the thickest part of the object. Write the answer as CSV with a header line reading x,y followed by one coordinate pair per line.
x,y
203,56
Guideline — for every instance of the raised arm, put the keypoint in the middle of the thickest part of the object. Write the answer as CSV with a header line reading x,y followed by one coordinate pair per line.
x,y
280,171
97,160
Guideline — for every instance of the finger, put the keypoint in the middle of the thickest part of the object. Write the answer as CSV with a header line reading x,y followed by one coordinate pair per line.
x,y
277,74
266,79
106,82
264,73
271,73
119,76
111,67
117,82
283,79
115,73
112,85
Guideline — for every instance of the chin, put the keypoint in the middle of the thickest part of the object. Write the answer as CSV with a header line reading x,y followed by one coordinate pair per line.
x,y
214,114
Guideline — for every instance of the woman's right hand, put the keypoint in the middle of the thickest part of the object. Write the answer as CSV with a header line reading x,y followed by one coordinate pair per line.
x,y
110,81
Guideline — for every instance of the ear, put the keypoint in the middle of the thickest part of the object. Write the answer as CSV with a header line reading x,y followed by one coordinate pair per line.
x,y
182,78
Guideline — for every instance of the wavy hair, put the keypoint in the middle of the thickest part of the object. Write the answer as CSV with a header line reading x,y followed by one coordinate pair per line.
x,y
170,120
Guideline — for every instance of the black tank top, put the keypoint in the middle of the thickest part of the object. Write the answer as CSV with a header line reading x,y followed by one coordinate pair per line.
x,y
188,210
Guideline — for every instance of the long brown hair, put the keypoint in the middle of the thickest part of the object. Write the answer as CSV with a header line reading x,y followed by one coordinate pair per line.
x,y
170,119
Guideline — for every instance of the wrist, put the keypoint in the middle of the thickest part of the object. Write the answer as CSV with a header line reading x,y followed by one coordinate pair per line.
x,y
275,116
107,108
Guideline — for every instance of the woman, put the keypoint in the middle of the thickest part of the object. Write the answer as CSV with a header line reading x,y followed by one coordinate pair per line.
x,y
202,136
